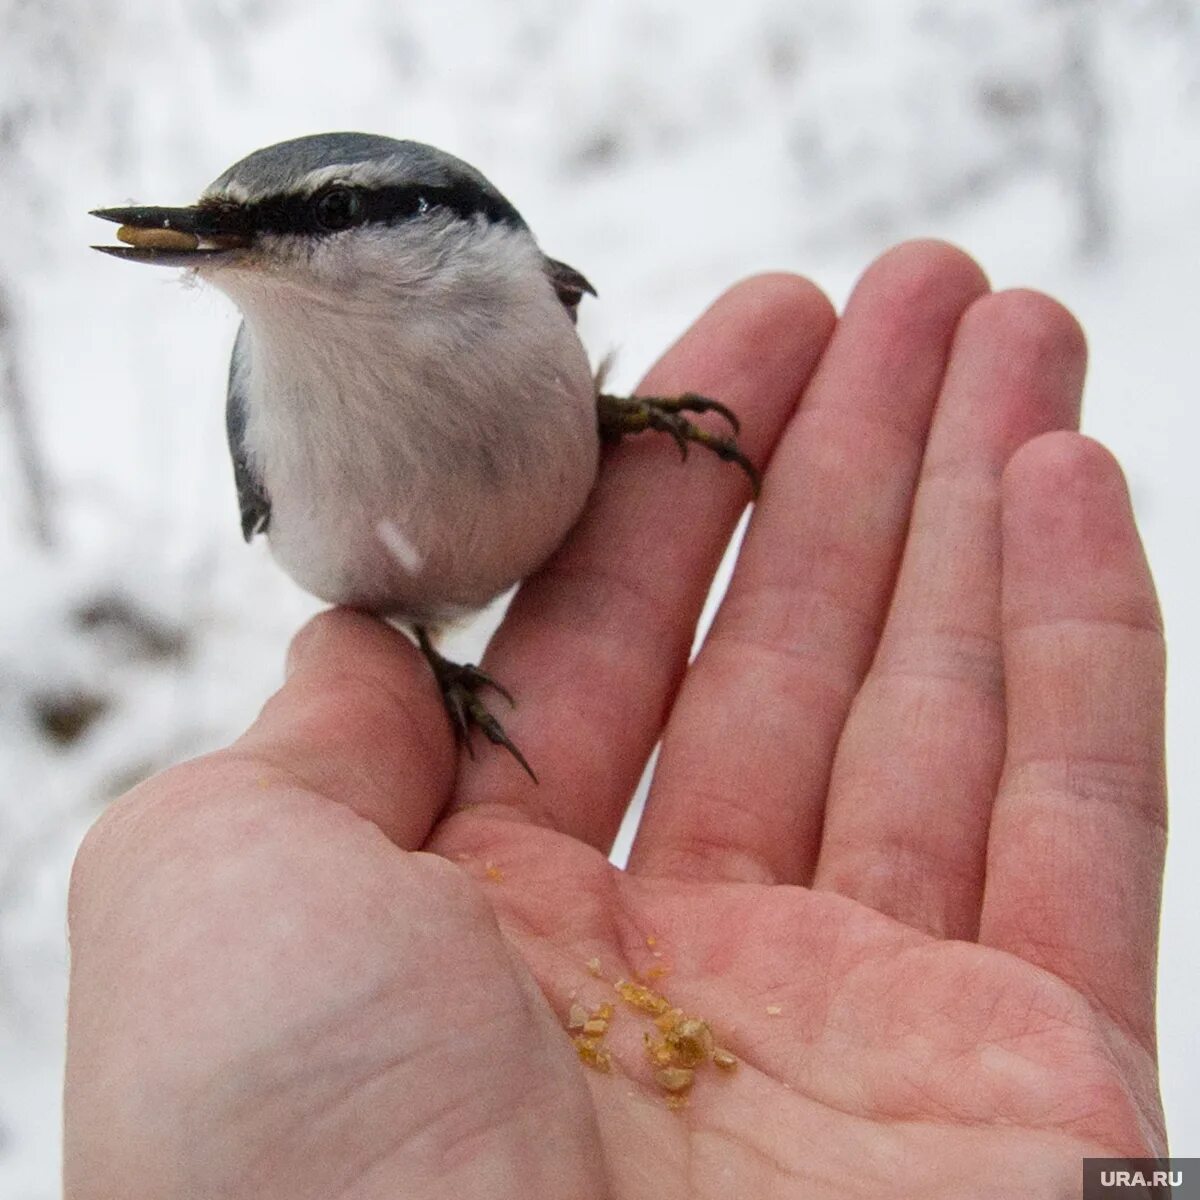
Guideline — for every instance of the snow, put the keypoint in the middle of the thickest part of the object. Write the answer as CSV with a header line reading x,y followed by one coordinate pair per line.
x,y
666,149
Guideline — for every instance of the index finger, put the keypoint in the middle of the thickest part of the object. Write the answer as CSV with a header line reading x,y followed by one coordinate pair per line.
x,y
594,645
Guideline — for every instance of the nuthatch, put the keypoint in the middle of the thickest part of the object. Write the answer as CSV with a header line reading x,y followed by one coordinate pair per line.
x,y
412,418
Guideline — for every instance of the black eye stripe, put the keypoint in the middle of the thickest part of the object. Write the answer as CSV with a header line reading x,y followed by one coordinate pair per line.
x,y
383,206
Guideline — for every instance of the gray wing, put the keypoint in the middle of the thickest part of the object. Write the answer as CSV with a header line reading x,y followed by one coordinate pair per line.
x,y
252,496
569,285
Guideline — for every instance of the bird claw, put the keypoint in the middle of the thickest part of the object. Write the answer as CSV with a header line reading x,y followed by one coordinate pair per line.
x,y
620,415
690,402
460,685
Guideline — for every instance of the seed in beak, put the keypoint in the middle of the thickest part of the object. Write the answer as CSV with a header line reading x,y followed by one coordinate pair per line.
x,y
157,239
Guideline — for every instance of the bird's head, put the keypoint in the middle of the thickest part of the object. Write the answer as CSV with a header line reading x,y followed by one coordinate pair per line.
x,y
335,216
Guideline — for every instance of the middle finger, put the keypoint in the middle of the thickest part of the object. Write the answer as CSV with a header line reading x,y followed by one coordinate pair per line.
x,y
740,788
916,771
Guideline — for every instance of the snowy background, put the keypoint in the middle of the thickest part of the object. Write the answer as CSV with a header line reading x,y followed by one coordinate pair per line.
x,y
667,148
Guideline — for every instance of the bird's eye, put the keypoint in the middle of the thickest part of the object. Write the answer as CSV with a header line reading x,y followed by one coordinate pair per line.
x,y
337,208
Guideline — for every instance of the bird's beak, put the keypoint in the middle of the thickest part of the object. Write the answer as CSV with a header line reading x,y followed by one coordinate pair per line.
x,y
178,237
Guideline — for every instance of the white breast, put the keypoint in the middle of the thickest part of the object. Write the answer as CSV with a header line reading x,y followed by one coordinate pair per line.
x,y
421,412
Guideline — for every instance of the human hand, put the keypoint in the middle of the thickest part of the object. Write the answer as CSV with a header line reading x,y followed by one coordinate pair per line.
x,y
902,849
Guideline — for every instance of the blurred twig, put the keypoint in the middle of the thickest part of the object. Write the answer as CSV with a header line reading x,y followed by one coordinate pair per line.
x,y
30,459
1089,116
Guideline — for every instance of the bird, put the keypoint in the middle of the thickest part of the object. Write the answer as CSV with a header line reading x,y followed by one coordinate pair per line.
x,y
413,420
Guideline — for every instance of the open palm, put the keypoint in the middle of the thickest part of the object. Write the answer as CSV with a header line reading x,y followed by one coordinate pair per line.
x,y
902,847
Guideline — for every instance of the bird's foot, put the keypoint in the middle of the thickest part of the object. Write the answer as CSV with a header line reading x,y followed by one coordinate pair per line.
x,y
460,685
621,415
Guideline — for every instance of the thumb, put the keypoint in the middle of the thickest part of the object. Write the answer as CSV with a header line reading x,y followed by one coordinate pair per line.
x,y
359,722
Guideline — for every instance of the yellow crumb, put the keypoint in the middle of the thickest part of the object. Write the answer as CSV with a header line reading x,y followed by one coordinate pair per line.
x,y
651,941
692,1042
493,872
593,966
658,971
668,1020
595,1027
603,1012
637,996
675,1079
658,1052
577,1018
676,1102
723,1059
592,1053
